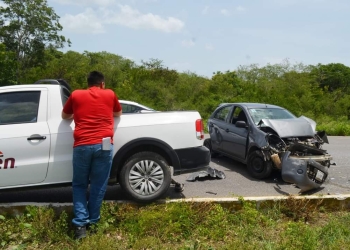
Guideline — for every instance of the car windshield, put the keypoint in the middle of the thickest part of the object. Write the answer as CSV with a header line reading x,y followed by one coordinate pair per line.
x,y
269,113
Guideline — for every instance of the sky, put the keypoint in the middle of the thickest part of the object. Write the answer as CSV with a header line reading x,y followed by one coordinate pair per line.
x,y
205,36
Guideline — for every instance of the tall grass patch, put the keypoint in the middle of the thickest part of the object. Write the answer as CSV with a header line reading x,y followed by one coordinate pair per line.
x,y
287,224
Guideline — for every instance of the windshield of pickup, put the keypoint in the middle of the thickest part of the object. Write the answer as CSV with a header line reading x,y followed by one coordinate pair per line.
x,y
269,113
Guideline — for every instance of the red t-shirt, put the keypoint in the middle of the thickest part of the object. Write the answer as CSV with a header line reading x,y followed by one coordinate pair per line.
x,y
93,114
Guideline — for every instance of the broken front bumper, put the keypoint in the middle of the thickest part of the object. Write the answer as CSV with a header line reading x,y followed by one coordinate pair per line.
x,y
304,171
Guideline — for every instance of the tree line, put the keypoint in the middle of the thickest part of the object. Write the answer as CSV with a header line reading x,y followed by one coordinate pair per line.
x,y
30,50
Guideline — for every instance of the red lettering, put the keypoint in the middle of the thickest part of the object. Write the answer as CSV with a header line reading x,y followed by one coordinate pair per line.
x,y
0,163
9,161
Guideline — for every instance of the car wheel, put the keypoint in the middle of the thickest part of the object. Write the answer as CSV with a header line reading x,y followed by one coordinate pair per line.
x,y
145,177
257,166
207,144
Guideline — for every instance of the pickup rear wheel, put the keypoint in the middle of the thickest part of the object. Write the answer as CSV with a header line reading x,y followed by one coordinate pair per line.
x,y
257,166
207,144
145,176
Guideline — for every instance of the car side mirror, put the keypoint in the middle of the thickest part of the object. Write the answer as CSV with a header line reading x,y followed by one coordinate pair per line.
x,y
241,124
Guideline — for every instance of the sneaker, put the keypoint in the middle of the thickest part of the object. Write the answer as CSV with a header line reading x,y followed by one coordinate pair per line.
x,y
80,232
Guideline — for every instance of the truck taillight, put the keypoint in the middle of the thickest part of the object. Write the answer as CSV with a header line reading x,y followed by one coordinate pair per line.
x,y
199,129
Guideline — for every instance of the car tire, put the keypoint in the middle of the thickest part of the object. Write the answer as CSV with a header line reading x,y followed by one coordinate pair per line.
x,y
207,144
145,177
257,166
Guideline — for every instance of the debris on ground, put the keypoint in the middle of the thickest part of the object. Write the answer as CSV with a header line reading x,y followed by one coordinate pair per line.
x,y
209,192
209,172
179,187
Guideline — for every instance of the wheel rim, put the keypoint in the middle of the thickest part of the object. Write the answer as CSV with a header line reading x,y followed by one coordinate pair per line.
x,y
146,177
258,165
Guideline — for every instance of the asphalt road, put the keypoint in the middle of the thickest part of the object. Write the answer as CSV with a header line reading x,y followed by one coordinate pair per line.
x,y
237,182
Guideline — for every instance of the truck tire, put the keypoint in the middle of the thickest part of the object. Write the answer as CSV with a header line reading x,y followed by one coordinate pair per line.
x,y
257,166
145,177
207,144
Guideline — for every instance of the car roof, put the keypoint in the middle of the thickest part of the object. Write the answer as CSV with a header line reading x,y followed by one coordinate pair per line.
x,y
134,103
250,105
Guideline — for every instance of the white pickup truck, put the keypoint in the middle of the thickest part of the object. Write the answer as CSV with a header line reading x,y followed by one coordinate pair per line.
x,y
36,145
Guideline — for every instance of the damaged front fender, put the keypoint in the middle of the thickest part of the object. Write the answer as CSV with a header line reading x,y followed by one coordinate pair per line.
x,y
307,174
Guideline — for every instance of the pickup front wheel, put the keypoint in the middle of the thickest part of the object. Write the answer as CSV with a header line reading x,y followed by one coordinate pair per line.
x,y
145,176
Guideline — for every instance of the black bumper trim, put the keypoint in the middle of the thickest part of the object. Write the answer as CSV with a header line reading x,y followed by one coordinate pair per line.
x,y
192,159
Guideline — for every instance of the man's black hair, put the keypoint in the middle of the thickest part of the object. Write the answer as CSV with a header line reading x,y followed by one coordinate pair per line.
x,y
95,78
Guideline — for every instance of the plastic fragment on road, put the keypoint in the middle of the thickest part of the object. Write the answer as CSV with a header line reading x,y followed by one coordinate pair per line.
x,y
209,172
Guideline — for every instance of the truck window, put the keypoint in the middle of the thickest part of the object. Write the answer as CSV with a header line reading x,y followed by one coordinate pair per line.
x,y
65,93
19,107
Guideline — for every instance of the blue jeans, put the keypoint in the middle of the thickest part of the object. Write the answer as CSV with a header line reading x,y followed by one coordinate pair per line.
x,y
90,163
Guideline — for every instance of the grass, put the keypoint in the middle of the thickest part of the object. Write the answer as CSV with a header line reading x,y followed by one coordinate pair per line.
x,y
335,128
289,224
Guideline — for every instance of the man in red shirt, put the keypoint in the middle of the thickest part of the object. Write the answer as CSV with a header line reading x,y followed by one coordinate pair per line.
x,y
93,111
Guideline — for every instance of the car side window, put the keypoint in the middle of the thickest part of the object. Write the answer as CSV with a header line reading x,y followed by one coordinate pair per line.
x,y
128,108
222,113
238,115
19,107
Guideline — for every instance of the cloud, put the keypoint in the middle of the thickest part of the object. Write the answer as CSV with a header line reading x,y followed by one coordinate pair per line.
x,y
205,10
240,9
133,18
287,3
94,21
188,43
225,12
209,46
142,1
86,22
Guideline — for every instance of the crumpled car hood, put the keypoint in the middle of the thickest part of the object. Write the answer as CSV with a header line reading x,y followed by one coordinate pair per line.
x,y
301,126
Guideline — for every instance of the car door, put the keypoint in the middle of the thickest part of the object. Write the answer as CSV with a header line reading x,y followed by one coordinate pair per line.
x,y
217,125
235,139
24,136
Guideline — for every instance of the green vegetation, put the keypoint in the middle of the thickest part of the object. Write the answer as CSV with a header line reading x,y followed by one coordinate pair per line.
x,y
29,50
290,224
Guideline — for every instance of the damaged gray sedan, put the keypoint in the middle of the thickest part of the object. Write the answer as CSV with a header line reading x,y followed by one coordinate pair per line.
x,y
265,137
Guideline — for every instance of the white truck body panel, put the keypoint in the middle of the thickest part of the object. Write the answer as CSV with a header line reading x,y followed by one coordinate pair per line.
x,y
49,161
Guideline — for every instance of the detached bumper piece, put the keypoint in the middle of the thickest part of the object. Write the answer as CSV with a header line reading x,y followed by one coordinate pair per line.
x,y
307,174
209,172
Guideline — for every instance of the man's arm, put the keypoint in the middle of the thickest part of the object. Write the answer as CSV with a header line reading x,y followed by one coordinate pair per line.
x,y
117,114
67,116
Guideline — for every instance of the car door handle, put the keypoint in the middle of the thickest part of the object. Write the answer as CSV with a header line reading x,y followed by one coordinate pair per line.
x,y
227,130
36,137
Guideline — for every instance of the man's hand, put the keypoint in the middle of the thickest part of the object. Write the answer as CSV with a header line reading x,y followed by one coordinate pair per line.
x,y
66,116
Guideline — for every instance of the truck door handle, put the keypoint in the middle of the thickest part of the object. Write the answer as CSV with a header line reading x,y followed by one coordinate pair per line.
x,y
36,137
